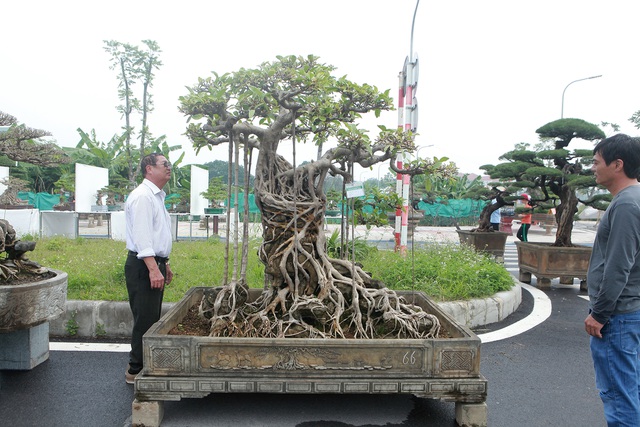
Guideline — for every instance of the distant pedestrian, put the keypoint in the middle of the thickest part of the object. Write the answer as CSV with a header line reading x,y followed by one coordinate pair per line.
x,y
525,219
495,215
613,281
148,236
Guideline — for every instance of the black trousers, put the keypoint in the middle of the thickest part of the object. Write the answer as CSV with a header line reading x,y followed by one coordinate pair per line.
x,y
523,232
145,303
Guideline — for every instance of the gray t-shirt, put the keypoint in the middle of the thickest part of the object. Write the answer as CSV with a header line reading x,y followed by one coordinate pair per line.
x,y
613,279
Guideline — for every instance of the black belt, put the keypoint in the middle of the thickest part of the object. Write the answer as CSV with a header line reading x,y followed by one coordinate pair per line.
x,y
159,259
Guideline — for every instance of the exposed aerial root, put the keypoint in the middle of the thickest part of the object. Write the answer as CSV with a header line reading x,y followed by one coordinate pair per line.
x,y
309,294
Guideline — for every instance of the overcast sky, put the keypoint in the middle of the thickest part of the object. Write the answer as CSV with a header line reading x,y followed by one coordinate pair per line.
x,y
491,72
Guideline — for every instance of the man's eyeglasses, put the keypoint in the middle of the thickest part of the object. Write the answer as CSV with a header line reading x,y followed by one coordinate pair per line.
x,y
165,164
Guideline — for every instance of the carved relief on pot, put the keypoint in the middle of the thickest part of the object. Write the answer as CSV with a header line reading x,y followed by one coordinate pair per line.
x,y
30,304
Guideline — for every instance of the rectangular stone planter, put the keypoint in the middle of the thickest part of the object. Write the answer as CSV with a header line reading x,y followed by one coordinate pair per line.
x,y
491,242
548,262
178,366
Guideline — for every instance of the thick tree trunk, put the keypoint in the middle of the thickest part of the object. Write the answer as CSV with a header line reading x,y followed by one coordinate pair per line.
x,y
565,213
309,293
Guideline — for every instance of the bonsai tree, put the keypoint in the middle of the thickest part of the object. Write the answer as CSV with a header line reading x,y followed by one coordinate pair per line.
x,y
20,143
10,195
115,193
502,198
66,184
216,192
307,293
553,176
15,267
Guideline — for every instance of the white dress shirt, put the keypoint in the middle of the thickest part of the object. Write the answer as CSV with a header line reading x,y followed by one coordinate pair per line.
x,y
148,225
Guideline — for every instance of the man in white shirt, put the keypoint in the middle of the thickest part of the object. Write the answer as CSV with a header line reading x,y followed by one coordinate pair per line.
x,y
148,236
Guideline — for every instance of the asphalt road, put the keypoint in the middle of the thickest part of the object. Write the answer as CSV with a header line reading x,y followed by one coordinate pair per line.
x,y
542,377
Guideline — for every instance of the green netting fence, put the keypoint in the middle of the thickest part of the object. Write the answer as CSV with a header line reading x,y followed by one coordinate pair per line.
x,y
447,213
42,201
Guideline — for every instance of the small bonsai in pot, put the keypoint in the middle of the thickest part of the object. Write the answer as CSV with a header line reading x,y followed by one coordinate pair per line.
x,y
16,267
9,198
501,196
216,193
30,297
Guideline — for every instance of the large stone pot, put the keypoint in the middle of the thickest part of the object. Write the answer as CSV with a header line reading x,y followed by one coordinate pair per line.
x,y
547,262
25,312
179,366
492,242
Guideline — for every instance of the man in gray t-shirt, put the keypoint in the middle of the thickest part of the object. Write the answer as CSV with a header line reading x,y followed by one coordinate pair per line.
x,y
613,281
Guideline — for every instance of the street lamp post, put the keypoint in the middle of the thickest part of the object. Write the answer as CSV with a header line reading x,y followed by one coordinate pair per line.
x,y
420,148
565,89
379,164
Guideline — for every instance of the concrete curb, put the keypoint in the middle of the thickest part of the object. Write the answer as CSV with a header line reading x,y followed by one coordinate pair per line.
x,y
480,312
92,319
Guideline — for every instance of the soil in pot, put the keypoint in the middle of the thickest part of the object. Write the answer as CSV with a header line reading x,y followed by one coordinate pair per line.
x,y
192,324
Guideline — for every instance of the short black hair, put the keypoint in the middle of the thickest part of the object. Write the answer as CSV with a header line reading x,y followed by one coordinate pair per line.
x,y
149,159
622,147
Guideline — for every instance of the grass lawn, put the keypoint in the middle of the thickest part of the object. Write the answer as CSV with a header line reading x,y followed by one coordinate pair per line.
x,y
95,267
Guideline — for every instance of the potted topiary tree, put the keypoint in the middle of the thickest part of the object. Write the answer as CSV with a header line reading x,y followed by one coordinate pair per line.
x,y
290,336
9,198
552,175
30,296
484,238
216,194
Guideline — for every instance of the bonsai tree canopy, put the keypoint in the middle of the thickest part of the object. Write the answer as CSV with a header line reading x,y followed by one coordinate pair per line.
x,y
553,176
19,143
308,294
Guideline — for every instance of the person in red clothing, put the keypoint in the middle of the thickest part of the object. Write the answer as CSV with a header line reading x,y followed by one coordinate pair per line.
x,y
525,219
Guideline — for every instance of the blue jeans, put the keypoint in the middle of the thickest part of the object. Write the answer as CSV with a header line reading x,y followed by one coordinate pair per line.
x,y
617,366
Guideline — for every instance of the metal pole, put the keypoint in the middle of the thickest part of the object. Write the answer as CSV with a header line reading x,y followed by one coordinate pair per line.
x,y
413,23
565,89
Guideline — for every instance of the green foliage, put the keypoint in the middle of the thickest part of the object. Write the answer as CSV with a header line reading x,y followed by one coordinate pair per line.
x,y
100,330
326,106
71,326
553,154
543,171
356,246
430,188
580,181
585,155
508,171
220,169
445,272
565,130
520,156
216,192
372,210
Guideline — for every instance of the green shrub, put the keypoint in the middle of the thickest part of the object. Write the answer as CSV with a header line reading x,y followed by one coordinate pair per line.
x,y
357,246
445,272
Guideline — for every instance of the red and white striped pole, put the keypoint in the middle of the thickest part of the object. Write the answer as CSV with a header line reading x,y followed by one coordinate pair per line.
x,y
406,179
407,120
398,225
